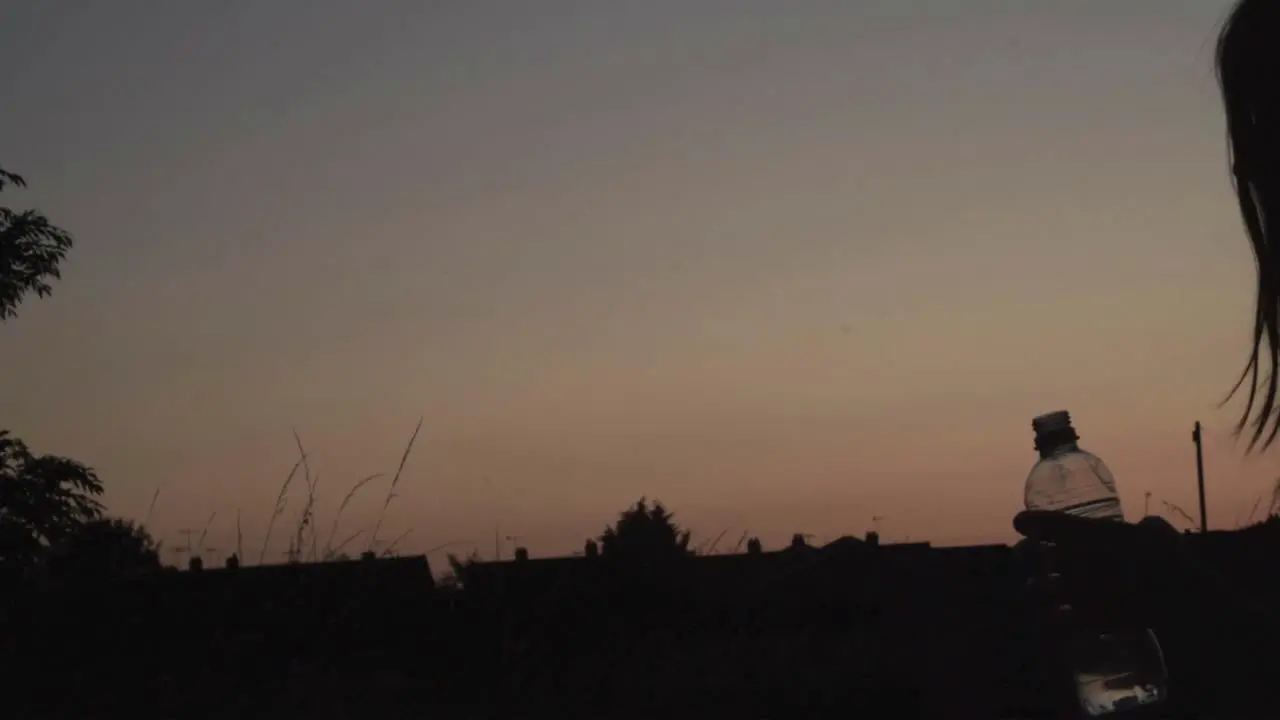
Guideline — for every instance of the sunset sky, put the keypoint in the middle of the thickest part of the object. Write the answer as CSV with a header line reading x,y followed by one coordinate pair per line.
x,y
784,266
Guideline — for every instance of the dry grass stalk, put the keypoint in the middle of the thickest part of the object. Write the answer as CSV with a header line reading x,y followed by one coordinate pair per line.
x,y
1178,511
328,545
391,547
395,481
205,533
151,509
278,510
304,535
308,509
337,549
711,549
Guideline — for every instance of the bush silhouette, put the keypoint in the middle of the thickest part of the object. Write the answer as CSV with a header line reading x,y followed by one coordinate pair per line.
x,y
644,532
106,546
44,500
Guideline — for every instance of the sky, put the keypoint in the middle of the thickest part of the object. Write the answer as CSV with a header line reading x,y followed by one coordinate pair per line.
x,y
786,267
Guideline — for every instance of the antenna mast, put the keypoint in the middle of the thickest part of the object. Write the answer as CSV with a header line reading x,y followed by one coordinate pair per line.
x,y
1196,438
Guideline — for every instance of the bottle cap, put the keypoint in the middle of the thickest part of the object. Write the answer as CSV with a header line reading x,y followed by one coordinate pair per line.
x,y
1052,422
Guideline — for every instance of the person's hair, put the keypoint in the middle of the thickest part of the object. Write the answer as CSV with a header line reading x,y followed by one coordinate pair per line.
x,y
1248,68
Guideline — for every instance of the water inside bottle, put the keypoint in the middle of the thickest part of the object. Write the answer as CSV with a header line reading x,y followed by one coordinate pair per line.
x,y
1073,481
1118,671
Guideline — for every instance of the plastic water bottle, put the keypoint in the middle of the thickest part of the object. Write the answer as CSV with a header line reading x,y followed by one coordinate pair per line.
x,y
1113,671
1068,479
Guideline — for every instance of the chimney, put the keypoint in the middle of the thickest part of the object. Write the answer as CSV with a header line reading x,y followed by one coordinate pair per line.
x,y
522,554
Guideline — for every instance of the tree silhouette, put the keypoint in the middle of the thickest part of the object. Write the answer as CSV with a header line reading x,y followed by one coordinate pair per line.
x,y
31,248
106,546
645,532
44,499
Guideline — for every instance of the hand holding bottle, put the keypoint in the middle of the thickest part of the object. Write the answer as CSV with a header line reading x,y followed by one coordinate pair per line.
x,y
1219,643
1139,573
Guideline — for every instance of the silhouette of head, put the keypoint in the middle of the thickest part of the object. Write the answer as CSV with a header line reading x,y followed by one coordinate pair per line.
x,y
1248,65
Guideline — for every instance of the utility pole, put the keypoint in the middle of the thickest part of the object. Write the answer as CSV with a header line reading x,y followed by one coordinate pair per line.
x,y
1196,438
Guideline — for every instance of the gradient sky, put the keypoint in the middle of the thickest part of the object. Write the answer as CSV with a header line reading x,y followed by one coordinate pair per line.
x,y
785,266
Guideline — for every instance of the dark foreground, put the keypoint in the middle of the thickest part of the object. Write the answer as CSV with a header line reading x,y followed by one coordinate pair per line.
x,y
849,630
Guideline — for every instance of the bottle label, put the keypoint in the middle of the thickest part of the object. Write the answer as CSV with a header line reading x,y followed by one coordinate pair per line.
x,y
1101,507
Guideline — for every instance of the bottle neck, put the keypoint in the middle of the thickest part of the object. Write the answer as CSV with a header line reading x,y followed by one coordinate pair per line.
x,y
1057,441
